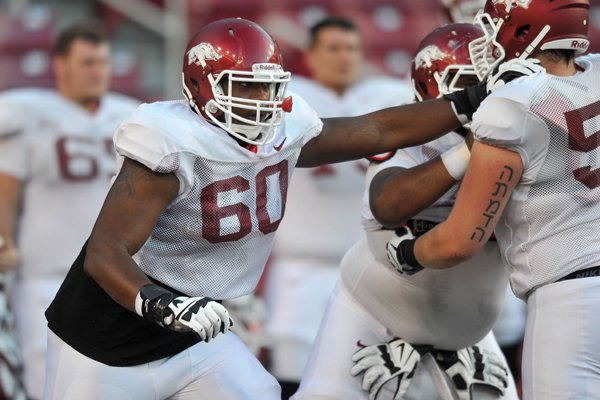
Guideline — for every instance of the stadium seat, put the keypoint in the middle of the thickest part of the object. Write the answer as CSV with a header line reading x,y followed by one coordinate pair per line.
x,y
204,11
32,68
126,73
33,29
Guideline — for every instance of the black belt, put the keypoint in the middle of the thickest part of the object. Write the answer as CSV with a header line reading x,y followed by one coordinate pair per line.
x,y
582,273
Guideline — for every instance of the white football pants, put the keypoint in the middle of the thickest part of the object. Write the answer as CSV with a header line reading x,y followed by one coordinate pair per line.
x,y
327,375
223,369
561,352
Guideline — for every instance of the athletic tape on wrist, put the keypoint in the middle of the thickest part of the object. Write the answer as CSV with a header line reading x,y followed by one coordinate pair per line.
x,y
407,252
153,303
456,160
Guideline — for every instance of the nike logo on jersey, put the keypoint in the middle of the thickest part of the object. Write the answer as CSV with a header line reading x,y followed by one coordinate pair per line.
x,y
277,148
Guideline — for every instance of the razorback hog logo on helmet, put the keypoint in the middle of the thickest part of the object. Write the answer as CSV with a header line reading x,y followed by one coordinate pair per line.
x,y
201,52
513,3
428,55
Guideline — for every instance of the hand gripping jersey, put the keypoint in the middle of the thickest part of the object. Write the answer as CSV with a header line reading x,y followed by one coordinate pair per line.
x,y
551,225
448,309
65,157
212,240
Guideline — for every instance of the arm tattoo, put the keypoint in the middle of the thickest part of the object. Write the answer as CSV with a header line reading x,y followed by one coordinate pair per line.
x,y
131,173
494,203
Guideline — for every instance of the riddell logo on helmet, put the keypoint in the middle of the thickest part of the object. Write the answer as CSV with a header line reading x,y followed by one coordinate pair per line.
x,y
576,44
268,67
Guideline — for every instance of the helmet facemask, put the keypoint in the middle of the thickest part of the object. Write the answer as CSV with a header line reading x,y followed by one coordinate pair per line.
x,y
258,129
486,53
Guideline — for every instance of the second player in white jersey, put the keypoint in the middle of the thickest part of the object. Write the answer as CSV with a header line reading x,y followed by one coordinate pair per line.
x,y
545,208
533,177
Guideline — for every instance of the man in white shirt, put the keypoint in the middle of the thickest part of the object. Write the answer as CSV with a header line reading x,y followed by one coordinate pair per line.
x,y
56,162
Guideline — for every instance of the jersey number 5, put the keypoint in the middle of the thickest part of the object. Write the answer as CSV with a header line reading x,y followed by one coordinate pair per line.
x,y
213,214
578,141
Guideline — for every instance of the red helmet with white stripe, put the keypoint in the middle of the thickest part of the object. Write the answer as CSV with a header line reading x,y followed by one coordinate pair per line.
x,y
518,28
236,50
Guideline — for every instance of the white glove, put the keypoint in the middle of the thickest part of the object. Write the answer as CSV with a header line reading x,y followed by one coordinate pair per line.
x,y
202,315
396,359
250,315
477,366
394,252
512,69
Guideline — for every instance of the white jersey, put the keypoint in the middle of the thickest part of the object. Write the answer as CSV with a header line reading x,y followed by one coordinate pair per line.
x,y
322,219
65,158
551,225
449,309
215,237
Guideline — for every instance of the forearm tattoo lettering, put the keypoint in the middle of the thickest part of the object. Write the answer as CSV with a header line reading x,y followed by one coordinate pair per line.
x,y
494,203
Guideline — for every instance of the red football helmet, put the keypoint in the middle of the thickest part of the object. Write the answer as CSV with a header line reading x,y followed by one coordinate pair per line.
x,y
462,10
442,59
235,50
518,28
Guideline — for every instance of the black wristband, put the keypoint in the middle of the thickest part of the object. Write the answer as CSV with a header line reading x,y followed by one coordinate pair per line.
x,y
155,301
406,253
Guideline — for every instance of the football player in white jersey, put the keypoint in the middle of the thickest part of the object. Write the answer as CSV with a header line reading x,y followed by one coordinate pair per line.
x,y
534,176
510,327
190,219
303,268
56,161
438,314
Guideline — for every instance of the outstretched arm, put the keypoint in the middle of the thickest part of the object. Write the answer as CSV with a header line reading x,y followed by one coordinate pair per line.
x,y
351,138
344,139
